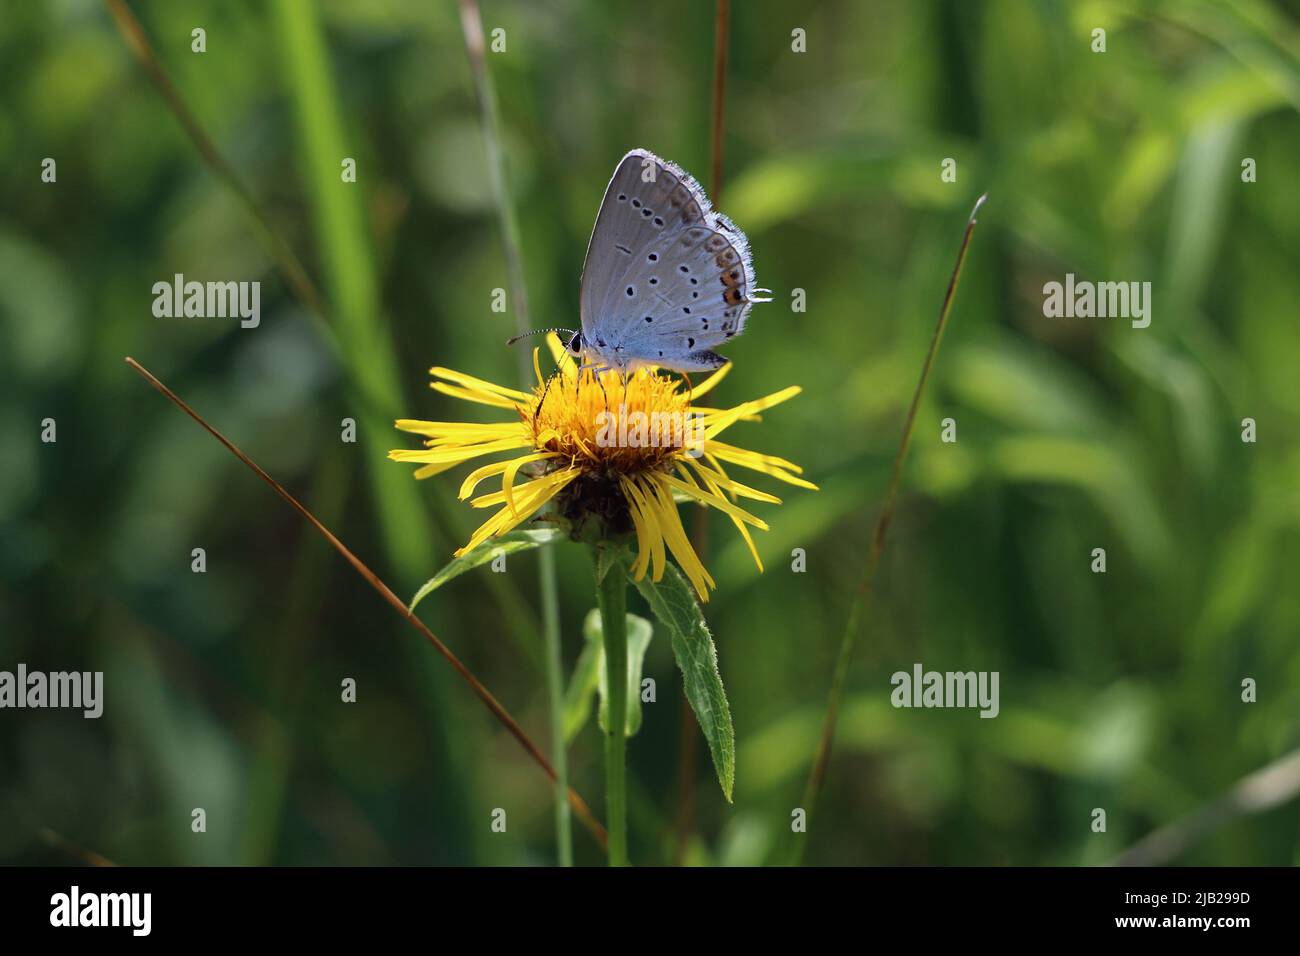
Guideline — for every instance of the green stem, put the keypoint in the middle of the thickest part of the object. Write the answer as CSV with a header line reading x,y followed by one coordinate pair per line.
x,y
817,773
555,692
472,27
611,593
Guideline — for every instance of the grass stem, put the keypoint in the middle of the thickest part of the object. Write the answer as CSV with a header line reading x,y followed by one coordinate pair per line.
x,y
472,27
689,738
555,702
611,594
817,773
721,34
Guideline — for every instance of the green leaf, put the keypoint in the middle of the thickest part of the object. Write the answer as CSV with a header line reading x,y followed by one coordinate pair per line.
x,y
589,676
639,631
673,603
582,686
519,540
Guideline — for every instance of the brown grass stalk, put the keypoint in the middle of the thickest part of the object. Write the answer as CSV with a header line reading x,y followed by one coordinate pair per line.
x,y
821,759
580,808
59,842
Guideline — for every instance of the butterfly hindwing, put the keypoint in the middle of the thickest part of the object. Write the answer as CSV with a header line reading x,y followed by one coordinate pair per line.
x,y
666,278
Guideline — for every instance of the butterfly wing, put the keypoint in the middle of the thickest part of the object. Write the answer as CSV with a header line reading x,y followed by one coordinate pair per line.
x,y
666,278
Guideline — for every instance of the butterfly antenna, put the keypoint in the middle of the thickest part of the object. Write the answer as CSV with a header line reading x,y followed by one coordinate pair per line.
x,y
559,368
545,390
524,335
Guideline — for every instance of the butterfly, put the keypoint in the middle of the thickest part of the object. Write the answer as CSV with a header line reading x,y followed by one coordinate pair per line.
x,y
667,278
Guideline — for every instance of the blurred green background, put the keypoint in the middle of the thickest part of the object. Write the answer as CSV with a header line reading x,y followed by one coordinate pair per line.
x,y
1119,691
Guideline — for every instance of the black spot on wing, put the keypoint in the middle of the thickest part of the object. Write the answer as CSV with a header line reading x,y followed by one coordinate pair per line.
x,y
708,360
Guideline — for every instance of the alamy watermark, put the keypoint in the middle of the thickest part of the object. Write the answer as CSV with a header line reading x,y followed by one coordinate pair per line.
x,y
621,429
208,300
80,690
75,909
922,688
1102,300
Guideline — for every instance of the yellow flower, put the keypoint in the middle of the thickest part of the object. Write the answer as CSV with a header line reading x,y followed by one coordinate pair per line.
x,y
622,449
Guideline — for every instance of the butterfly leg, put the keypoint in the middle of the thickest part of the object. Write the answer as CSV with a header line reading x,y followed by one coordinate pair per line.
x,y
578,369
595,368
601,383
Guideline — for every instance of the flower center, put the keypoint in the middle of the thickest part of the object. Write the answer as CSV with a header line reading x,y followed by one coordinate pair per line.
x,y
609,425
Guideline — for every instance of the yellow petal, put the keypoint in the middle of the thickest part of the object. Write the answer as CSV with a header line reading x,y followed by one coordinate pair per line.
x,y
428,471
670,523
555,346
708,414
722,504
735,487
438,456
468,431
532,497
499,497
639,504
740,525
478,384
564,363
768,464
717,467
708,384
685,472
717,423
642,537
468,395
508,477
487,471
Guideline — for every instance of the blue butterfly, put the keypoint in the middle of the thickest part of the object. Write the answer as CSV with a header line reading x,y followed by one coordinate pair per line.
x,y
667,278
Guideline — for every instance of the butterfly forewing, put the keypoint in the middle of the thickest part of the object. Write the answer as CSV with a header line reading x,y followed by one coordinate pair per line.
x,y
666,278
